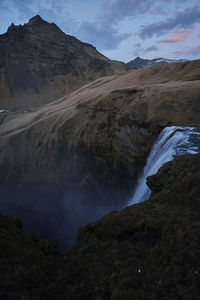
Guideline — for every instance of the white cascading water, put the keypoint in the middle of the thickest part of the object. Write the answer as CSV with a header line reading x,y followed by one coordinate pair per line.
x,y
172,141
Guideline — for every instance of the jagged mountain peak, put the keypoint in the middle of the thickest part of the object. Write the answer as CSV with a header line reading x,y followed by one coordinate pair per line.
x,y
36,19
138,58
35,24
38,22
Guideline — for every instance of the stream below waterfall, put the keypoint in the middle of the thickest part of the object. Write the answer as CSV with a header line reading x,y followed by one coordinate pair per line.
x,y
172,141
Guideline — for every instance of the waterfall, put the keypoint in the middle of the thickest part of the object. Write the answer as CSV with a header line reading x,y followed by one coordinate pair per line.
x,y
172,141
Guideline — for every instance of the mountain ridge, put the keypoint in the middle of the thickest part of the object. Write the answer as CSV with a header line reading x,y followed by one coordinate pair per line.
x,y
39,63
139,62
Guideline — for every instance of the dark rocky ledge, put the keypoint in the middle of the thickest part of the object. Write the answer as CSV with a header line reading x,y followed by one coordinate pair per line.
x,y
146,251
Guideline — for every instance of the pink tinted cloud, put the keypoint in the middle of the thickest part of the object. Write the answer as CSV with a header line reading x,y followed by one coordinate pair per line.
x,y
179,36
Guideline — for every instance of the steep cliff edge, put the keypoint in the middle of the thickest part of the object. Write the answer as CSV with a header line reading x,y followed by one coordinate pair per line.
x,y
77,158
39,63
146,251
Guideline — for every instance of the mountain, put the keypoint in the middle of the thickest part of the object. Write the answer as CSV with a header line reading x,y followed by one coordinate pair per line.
x,y
97,118
68,162
139,62
39,63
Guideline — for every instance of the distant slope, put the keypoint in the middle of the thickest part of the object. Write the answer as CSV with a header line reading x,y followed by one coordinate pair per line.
x,y
139,62
39,63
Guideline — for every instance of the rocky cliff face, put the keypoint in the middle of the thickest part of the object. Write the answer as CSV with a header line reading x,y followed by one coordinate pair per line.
x,y
39,63
90,144
146,251
104,128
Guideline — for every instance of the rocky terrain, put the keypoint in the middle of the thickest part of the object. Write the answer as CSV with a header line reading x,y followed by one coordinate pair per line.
x,y
139,62
39,63
88,147
110,124
146,251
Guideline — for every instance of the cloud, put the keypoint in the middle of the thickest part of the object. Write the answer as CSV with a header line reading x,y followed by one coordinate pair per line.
x,y
149,49
4,7
105,31
52,11
26,7
159,11
97,32
184,19
177,37
102,36
137,49
116,10
193,51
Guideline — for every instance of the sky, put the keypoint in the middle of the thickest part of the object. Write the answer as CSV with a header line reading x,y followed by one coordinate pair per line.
x,y
120,29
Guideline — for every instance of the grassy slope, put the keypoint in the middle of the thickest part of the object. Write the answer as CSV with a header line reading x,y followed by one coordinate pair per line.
x,y
112,121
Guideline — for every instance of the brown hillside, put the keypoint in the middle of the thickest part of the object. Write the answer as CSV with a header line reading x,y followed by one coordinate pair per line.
x,y
104,128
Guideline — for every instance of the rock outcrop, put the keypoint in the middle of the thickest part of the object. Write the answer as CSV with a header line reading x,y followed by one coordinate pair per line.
x,y
39,63
146,251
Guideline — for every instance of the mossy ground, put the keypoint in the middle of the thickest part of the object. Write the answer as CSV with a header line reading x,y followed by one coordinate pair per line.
x,y
147,251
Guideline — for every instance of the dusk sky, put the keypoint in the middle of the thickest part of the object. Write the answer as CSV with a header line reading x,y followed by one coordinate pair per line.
x,y
120,29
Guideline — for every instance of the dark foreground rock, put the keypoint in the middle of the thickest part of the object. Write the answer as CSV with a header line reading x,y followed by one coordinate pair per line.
x,y
147,251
